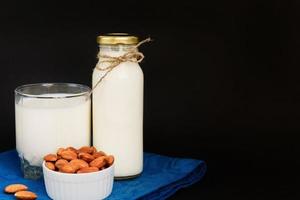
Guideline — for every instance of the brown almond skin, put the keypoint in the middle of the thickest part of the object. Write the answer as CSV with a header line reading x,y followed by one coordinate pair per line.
x,y
59,151
13,188
68,155
98,154
50,165
78,164
109,159
50,158
98,162
25,195
67,168
72,149
94,150
86,149
59,163
86,157
87,170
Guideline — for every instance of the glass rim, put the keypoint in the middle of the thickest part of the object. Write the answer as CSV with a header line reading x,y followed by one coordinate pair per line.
x,y
85,87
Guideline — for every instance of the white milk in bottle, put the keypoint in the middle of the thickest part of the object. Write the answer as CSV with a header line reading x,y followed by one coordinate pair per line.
x,y
118,105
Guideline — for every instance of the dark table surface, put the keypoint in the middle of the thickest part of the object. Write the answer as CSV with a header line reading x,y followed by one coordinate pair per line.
x,y
265,178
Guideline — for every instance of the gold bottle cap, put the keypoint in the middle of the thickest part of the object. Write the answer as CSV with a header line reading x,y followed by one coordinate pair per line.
x,y
117,38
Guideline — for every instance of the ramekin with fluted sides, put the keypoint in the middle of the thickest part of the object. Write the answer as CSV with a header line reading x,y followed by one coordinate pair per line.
x,y
89,186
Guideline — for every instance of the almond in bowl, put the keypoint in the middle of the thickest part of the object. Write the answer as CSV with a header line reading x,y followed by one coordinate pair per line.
x,y
72,177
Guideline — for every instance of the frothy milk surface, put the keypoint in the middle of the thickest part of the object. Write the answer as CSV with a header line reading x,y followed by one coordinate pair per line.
x,y
45,124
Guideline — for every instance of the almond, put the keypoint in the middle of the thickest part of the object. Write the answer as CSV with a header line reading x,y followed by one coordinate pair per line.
x,y
86,149
50,165
67,168
50,158
94,150
68,155
98,162
109,159
59,163
13,188
98,154
59,151
87,170
86,157
78,164
72,149
25,195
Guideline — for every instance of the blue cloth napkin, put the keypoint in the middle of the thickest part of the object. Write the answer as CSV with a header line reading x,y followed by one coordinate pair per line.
x,y
162,177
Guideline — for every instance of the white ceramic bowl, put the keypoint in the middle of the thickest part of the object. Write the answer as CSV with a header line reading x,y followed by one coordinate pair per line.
x,y
87,186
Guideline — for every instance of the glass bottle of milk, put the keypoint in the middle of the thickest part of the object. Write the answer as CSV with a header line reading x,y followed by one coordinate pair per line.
x,y
118,106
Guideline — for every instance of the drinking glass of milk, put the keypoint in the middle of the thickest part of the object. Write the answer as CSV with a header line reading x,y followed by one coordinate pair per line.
x,y
49,116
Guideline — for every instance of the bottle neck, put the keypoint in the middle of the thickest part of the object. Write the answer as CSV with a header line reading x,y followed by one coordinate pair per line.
x,y
114,50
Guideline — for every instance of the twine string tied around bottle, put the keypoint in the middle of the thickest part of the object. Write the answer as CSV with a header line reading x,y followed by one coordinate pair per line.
x,y
132,55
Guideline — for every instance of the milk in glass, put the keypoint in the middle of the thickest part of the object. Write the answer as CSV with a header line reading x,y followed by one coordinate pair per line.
x,y
45,122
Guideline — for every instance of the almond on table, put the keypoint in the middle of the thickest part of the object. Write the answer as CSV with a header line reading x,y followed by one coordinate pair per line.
x,y
25,195
13,188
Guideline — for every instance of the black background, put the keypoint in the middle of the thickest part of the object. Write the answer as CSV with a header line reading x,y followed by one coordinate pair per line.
x,y
221,80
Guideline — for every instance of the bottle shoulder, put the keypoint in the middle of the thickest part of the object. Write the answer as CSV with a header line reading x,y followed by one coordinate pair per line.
x,y
122,71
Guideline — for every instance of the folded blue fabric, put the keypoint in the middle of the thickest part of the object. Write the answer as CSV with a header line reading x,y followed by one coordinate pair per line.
x,y
162,177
